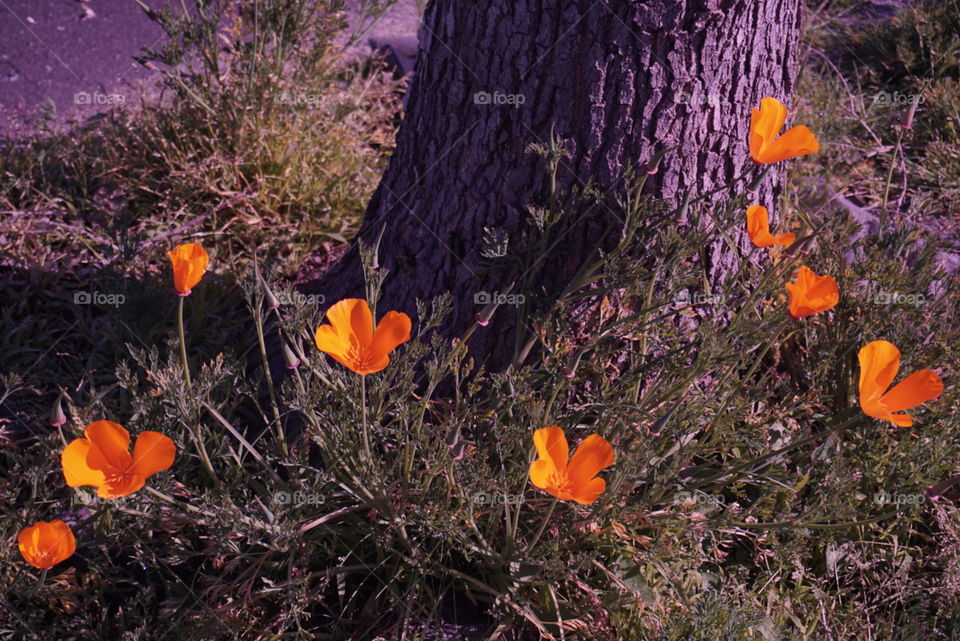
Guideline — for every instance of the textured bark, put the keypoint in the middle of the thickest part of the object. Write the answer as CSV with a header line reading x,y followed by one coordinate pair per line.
x,y
618,79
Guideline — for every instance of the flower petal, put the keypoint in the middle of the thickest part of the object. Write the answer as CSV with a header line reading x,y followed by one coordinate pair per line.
x,y
593,455
111,445
758,226
76,471
189,262
330,342
915,389
812,294
351,318
765,124
879,362
784,239
758,229
392,330
589,491
796,141
541,471
551,444
44,544
121,486
152,453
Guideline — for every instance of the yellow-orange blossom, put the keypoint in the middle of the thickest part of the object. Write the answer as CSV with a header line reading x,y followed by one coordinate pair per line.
x,y
812,294
879,363
44,544
577,479
189,263
765,125
351,339
103,460
758,228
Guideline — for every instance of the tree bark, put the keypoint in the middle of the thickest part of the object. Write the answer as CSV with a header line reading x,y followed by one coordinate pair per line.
x,y
618,80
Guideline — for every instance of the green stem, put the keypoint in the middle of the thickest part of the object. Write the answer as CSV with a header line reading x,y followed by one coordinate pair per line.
x,y
195,431
183,342
281,437
543,526
886,186
363,410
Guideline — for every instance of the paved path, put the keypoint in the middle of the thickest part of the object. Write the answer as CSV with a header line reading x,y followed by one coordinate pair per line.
x,y
74,54
79,55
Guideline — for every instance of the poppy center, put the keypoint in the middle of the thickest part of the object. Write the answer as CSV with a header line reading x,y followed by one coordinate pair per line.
x,y
360,357
119,477
561,481
44,556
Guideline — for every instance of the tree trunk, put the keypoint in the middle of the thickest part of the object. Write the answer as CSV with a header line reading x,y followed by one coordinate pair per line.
x,y
618,80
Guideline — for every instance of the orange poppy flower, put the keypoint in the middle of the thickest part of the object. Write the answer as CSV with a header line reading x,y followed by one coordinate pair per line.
x,y
879,362
103,460
758,228
189,265
812,294
351,339
765,125
576,480
44,544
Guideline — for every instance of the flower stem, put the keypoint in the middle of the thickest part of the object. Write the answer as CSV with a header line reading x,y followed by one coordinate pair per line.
x,y
265,362
195,431
183,342
889,180
543,526
363,411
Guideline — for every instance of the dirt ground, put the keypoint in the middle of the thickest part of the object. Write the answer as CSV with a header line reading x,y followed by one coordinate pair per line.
x,y
78,56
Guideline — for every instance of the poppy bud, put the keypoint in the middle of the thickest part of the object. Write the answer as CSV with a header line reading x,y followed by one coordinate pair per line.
x,y
571,370
292,361
654,163
272,301
483,316
57,417
684,207
911,112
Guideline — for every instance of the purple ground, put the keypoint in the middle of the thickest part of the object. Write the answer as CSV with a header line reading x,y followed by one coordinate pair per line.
x,y
79,55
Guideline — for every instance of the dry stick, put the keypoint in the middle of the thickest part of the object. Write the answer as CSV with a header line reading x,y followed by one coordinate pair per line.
x,y
776,525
